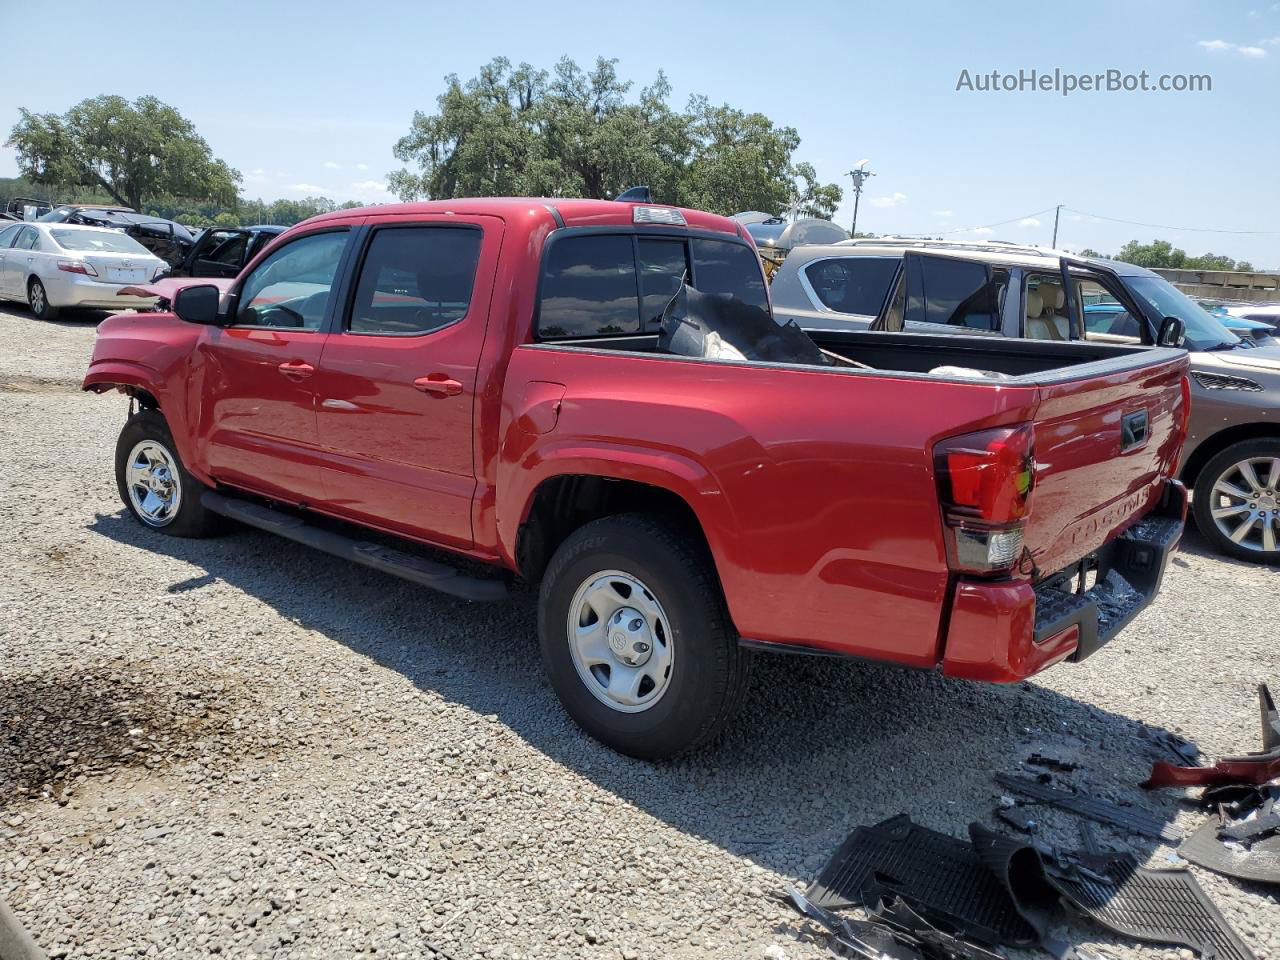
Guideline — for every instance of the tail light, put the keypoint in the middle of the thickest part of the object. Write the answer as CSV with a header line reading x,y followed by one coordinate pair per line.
x,y
1186,404
77,266
984,482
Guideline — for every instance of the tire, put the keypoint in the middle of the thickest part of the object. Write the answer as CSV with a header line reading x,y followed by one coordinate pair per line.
x,y
38,300
1251,467
665,596
147,461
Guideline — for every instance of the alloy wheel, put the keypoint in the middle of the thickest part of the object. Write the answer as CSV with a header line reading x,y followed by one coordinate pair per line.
x,y
1245,505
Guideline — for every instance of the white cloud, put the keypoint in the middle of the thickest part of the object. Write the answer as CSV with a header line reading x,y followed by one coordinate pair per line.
x,y
369,186
309,188
943,213
890,201
362,166
1244,50
1028,222
330,165
256,176
983,231
1270,41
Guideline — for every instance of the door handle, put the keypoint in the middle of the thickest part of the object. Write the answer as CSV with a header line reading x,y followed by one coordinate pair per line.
x,y
439,385
296,369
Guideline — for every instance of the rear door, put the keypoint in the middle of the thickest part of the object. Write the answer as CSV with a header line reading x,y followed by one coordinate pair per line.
x,y
258,421
397,382
7,236
219,253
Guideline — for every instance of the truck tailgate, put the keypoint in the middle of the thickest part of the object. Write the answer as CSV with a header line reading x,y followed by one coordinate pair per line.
x,y
1116,435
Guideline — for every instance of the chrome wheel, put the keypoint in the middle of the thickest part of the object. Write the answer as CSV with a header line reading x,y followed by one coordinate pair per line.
x,y
151,477
1245,505
620,641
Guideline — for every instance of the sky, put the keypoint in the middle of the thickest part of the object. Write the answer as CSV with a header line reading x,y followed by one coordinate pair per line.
x,y
308,98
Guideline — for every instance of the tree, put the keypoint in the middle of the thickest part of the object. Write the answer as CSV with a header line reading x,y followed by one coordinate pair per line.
x,y
1161,253
571,132
133,152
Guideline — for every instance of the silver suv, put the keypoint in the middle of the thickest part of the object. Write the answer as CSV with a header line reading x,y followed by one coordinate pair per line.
x,y
995,289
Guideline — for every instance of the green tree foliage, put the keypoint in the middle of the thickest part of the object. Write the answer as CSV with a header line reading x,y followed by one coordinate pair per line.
x,y
133,152
519,131
1161,253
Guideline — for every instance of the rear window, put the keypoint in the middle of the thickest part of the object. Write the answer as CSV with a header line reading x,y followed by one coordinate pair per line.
x,y
852,284
603,284
98,241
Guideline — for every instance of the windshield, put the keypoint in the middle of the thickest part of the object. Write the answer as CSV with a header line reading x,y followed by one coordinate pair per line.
x,y
98,241
1204,331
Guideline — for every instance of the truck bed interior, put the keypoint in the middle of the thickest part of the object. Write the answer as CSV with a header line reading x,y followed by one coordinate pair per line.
x,y
1030,361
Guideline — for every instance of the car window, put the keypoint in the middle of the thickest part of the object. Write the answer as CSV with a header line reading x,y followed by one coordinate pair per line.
x,y
226,247
98,241
663,267
951,292
27,239
852,284
720,266
291,287
1045,304
415,279
1105,318
589,288
9,234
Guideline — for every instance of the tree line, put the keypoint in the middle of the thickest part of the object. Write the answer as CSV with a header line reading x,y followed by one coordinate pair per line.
x,y
1161,253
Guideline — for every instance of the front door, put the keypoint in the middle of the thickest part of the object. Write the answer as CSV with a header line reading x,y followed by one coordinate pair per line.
x,y
258,422
397,381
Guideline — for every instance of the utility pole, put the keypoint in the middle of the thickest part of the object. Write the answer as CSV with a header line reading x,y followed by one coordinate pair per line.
x,y
1056,213
859,175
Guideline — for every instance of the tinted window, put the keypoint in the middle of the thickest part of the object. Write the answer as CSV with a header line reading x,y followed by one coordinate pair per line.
x,y
662,268
723,267
589,288
954,292
291,287
852,284
225,247
415,279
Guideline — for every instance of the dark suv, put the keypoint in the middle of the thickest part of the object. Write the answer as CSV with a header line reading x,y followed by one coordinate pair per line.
x,y
1232,454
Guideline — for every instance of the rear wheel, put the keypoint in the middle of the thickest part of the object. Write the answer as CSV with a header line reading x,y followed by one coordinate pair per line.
x,y
38,298
636,639
1237,500
153,483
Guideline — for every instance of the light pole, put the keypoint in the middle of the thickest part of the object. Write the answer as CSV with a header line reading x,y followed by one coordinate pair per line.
x,y
859,175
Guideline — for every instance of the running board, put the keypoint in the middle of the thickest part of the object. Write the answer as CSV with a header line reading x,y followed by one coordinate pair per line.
x,y
398,563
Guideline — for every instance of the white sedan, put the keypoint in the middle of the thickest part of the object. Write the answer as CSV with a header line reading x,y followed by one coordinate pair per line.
x,y
53,266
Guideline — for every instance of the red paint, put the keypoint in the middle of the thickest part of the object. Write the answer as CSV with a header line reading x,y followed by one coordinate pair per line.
x,y
1240,770
817,491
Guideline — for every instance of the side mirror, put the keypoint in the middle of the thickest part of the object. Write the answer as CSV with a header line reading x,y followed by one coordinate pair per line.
x,y
198,304
1172,332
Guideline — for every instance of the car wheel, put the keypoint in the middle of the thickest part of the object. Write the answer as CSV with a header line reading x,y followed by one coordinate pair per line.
x,y
1237,500
636,639
39,301
154,485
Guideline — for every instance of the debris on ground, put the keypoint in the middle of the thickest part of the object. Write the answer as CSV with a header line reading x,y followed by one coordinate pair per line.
x,y
1242,839
1251,768
1052,763
1095,808
1019,818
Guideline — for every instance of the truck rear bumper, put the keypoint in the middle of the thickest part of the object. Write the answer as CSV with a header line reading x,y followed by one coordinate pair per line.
x,y
1002,632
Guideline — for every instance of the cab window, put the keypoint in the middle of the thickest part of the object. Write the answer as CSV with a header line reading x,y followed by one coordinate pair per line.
x,y
415,280
290,289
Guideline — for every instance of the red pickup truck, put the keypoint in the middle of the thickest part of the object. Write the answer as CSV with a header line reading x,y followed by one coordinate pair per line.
x,y
462,392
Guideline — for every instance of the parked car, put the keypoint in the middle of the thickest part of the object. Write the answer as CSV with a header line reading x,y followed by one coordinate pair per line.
x,y
56,266
24,208
1268,313
165,239
223,251
1255,330
504,380
1232,455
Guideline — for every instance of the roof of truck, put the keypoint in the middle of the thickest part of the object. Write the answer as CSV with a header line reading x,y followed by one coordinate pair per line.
x,y
573,212
1010,254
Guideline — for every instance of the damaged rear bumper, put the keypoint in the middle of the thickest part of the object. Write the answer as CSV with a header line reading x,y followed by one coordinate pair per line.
x,y
1006,631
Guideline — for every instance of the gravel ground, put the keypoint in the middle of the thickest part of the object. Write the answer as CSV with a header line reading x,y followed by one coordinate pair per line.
x,y
242,748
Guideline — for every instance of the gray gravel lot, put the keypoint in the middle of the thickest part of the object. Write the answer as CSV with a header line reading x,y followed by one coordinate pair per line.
x,y
240,747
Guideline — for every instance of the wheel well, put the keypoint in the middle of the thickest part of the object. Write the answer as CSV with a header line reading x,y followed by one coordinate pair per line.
x,y
563,504
1220,441
146,400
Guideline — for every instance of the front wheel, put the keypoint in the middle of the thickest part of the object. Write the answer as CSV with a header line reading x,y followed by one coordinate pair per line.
x,y
153,483
38,298
1237,500
636,639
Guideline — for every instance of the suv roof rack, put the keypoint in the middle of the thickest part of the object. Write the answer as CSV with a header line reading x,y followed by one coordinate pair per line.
x,y
1005,246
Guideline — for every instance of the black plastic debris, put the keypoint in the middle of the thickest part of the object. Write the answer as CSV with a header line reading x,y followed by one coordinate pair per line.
x,y
1095,808
1019,818
1180,751
1052,763
934,942
1243,838
862,938
938,877
718,326
1270,719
